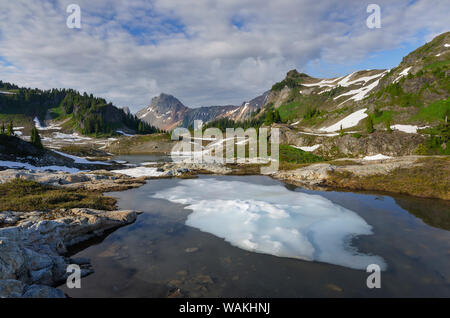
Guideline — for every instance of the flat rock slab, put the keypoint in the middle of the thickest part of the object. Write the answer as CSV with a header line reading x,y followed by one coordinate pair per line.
x,y
31,252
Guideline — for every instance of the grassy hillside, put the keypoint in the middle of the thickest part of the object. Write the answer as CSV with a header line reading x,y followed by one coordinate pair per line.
x,y
415,92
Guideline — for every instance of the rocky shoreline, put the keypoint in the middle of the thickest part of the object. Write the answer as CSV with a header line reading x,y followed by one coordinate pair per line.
x,y
33,245
419,176
318,174
32,252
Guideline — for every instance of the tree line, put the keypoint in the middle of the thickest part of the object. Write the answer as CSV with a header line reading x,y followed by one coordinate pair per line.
x,y
91,114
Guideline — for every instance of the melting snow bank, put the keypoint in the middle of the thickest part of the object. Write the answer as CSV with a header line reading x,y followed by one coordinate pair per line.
x,y
349,121
306,148
402,74
38,125
273,220
124,133
24,165
410,129
80,160
376,157
70,137
140,172
320,135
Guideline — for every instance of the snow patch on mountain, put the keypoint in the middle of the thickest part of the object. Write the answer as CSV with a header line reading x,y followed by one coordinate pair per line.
x,y
308,148
410,129
402,74
349,121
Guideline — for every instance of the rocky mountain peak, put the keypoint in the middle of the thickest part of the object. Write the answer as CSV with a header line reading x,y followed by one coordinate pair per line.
x,y
167,112
166,102
295,74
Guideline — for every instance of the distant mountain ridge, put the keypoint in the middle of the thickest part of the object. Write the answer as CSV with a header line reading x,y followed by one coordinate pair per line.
x,y
416,92
167,112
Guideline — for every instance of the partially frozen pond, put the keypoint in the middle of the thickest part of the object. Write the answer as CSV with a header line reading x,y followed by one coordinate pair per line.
x,y
253,236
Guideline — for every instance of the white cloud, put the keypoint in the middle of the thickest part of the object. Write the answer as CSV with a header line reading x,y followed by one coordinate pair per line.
x,y
129,51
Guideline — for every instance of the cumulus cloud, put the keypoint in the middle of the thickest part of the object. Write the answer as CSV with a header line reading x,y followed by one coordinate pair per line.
x,y
205,52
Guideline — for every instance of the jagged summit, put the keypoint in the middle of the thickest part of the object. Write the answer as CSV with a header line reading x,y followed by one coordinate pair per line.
x,y
295,74
167,112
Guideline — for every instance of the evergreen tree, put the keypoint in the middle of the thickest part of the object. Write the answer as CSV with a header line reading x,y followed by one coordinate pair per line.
x,y
388,126
276,116
10,129
33,135
369,125
269,118
35,139
3,129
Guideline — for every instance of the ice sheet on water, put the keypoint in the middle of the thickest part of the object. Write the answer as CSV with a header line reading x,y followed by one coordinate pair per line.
x,y
273,220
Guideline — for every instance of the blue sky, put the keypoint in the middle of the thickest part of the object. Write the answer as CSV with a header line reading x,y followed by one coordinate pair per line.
x,y
205,52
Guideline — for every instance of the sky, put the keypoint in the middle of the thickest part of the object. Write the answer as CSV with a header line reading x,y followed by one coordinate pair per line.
x,y
204,52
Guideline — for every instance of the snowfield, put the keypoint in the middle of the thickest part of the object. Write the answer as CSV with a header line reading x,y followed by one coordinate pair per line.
x,y
410,129
323,83
38,125
70,137
308,148
359,93
345,81
349,121
402,73
376,157
362,92
80,160
140,172
23,165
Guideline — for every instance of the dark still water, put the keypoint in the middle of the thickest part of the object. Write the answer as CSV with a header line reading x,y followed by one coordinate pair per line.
x,y
340,232
139,159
